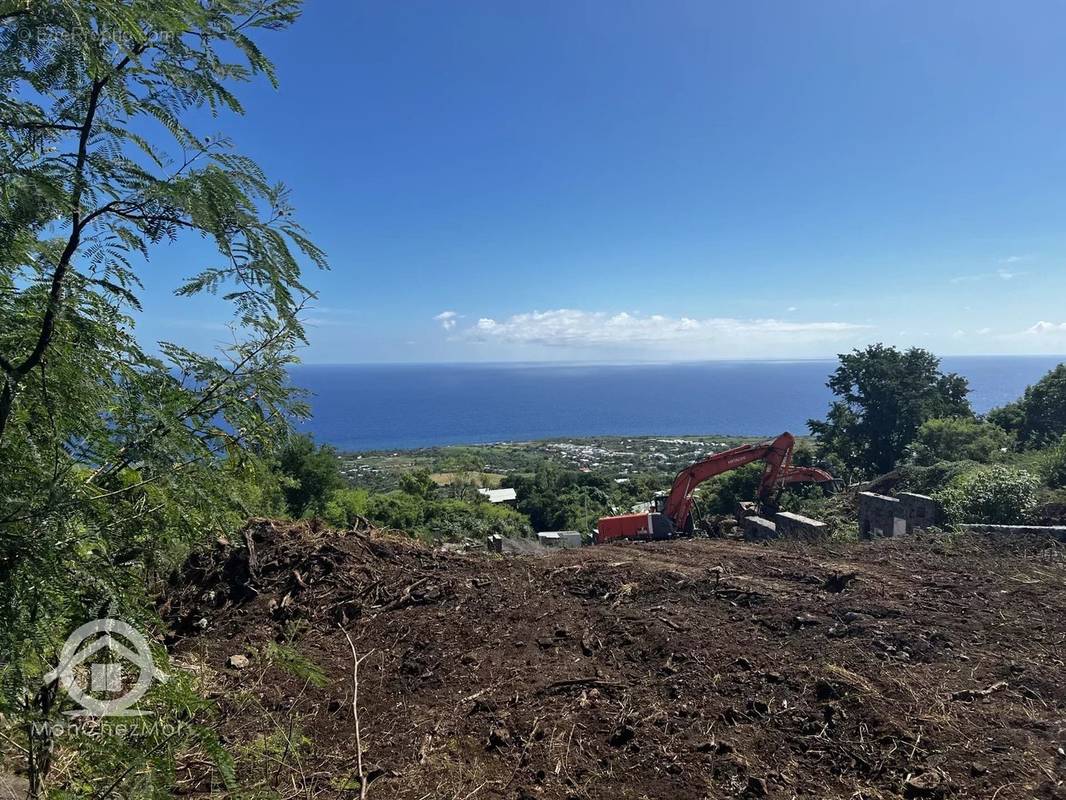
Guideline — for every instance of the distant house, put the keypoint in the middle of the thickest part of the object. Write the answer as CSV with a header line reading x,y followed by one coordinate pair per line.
x,y
499,495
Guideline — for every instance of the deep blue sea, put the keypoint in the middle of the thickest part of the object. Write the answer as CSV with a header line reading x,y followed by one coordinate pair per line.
x,y
392,407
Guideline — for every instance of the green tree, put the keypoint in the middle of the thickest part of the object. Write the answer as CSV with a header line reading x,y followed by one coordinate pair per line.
x,y
884,397
804,454
1039,417
114,460
723,493
418,483
1009,417
312,474
561,499
398,510
958,439
345,507
579,507
466,486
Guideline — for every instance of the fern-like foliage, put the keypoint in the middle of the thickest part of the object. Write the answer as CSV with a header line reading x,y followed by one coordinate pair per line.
x,y
115,459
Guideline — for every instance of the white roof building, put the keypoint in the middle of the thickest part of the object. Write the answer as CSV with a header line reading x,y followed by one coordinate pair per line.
x,y
499,495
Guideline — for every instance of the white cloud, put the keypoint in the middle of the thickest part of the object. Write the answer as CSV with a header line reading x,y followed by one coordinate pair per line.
x,y
331,317
1047,329
326,322
335,310
1043,337
984,331
447,319
567,327
792,308
1002,273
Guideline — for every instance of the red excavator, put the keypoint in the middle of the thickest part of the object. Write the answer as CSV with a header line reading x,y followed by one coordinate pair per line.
x,y
671,515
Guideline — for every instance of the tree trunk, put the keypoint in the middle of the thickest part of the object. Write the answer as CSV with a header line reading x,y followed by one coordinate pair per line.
x,y
7,400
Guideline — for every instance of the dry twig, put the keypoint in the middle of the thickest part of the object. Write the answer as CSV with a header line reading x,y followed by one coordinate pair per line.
x,y
356,660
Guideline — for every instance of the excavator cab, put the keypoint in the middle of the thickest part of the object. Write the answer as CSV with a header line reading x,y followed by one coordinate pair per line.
x,y
695,518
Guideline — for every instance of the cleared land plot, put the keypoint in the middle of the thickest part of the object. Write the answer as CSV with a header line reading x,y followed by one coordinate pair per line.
x,y
486,480
928,667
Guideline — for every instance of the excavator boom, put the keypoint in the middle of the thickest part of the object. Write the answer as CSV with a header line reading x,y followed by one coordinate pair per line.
x,y
791,474
776,454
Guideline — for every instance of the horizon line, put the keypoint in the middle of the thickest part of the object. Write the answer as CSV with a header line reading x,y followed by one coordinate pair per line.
x,y
637,362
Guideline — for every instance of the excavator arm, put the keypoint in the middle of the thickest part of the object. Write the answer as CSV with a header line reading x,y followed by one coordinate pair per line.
x,y
776,453
791,474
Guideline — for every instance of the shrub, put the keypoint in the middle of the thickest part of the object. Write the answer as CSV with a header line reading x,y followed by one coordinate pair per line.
x,y
345,506
456,519
993,495
397,510
1053,470
934,477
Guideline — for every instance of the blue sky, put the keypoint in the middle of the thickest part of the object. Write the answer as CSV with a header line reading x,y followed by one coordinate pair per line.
x,y
663,180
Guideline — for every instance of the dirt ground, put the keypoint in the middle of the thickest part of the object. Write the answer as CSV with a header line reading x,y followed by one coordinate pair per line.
x,y
931,666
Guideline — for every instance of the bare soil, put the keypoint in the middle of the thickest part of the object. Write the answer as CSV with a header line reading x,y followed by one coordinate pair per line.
x,y
924,667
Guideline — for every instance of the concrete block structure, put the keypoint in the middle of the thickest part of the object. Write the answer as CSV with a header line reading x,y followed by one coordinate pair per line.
x,y
758,529
560,538
919,510
794,526
880,515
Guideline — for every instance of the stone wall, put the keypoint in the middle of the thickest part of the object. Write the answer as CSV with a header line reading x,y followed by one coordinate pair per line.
x,y
758,529
919,510
880,515
794,526
1052,531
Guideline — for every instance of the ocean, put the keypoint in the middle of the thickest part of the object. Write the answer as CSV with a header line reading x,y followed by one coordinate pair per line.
x,y
406,406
